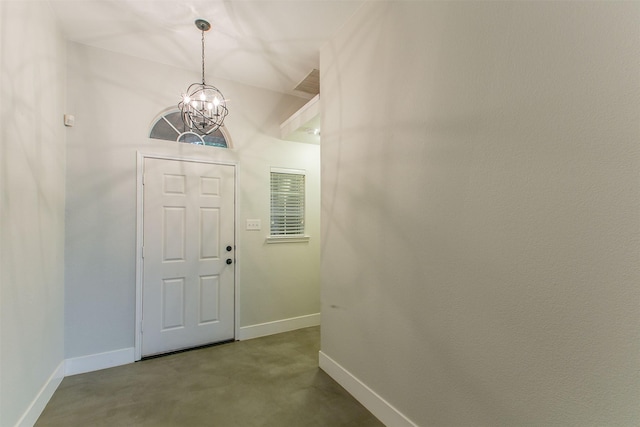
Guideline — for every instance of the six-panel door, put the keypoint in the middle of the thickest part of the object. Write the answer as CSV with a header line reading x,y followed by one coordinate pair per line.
x,y
188,255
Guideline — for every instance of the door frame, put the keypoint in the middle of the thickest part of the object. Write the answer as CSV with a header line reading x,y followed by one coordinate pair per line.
x,y
140,235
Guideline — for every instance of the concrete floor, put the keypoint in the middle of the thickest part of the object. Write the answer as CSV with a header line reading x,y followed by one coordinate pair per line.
x,y
271,381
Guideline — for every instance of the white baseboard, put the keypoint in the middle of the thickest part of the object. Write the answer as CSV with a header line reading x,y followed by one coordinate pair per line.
x,y
278,326
95,362
34,410
379,407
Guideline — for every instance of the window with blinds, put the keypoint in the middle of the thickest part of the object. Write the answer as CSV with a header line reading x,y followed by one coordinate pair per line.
x,y
287,203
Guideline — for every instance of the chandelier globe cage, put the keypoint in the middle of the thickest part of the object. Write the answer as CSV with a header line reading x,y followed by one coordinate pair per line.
x,y
203,107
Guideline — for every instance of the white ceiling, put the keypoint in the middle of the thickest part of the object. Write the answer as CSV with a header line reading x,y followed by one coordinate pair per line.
x,y
264,43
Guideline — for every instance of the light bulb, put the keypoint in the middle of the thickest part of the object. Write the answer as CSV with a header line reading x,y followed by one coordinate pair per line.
x,y
202,96
216,101
210,106
186,99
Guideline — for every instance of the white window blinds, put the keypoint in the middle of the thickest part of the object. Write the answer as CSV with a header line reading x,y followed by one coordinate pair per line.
x,y
287,203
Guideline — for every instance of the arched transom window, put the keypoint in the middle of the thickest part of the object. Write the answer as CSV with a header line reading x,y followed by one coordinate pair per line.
x,y
169,127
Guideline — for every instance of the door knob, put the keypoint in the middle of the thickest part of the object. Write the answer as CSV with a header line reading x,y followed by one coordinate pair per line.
x,y
229,248
229,261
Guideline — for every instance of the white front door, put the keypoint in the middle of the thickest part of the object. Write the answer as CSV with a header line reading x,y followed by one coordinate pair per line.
x,y
188,254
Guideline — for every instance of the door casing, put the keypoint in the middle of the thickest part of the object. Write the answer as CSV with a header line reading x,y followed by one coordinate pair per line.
x,y
140,234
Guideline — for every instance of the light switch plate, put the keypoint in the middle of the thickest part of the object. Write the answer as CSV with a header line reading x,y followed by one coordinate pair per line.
x,y
253,224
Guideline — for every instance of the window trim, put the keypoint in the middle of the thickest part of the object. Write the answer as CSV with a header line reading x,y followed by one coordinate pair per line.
x,y
287,239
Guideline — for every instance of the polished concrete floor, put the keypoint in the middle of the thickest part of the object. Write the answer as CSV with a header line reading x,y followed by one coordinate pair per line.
x,y
271,381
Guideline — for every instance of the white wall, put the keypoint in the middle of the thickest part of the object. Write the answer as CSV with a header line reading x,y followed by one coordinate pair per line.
x,y
481,210
32,170
114,99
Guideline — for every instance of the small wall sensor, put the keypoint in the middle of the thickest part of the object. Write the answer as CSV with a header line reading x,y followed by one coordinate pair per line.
x,y
69,120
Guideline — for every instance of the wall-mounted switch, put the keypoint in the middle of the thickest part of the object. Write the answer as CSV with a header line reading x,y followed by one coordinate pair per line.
x,y
253,224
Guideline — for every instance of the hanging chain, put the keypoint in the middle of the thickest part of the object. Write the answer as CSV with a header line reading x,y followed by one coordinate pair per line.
x,y
203,56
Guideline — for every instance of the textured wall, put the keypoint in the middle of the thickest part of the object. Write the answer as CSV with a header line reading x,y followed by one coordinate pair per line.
x,y
481,210
32,173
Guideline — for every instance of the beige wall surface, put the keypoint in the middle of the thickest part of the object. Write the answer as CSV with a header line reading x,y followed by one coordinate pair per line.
x,y
481,210
32,173
114,99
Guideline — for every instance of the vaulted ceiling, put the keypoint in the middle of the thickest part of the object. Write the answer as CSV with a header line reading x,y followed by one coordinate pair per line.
x,y
264,43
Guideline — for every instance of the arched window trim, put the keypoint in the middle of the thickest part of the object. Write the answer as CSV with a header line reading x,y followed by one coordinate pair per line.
x,y
162,116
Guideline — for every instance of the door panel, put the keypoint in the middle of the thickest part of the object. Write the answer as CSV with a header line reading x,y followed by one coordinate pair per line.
x,y
172,304
209,230
209,291
174,233
188,221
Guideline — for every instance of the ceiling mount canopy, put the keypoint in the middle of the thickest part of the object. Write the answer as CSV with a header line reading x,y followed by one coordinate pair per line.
x,y
203,25
203,107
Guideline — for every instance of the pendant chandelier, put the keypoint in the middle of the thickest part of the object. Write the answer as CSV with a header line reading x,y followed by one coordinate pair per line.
x,y
203,107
